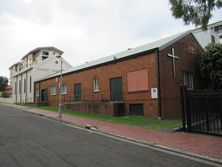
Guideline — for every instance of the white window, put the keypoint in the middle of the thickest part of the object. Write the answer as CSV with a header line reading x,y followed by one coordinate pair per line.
x,y
36,92
30,84
213,39
45,55
53,91
64,89
24,85
20,86
188,80
96,85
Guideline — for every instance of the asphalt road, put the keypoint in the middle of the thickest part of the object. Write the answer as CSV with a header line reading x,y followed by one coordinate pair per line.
x,y
28,140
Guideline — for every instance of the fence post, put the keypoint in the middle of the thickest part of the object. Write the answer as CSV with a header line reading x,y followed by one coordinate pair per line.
x,y
183,105
187,111
206,109
220,111
188,117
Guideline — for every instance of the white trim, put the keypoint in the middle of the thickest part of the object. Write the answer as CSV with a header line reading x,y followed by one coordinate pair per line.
x,y
64,91
95,85
188,80
53,90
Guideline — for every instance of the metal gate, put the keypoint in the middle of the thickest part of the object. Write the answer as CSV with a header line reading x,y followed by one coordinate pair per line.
x,y
202,111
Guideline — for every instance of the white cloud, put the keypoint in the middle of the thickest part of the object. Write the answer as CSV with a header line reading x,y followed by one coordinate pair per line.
x,y
84,30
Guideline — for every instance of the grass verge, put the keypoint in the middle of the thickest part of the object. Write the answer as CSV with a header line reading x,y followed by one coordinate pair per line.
x,y
148,123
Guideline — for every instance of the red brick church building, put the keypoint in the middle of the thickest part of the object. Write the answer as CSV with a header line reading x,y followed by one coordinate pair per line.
x,y
139,81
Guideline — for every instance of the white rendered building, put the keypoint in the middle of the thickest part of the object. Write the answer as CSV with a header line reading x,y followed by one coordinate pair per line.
x,y
38,63
213,34
217,27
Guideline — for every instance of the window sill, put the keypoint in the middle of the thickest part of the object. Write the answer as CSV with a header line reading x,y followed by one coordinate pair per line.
x,y
96,91
138,91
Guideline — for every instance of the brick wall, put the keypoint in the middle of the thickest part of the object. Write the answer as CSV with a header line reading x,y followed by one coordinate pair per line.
x,y
170,86
104,74
170,92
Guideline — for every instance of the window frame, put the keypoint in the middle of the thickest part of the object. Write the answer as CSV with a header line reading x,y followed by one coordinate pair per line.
x,y
30,84
15,87
95,85
37,92
53,90
45,53
213,39
20,86
62,89
188,80
77,97
24,85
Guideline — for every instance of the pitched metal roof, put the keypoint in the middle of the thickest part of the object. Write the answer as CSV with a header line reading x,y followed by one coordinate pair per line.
x,y
160,44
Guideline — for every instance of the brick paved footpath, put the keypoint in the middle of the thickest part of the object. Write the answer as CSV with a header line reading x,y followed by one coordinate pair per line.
x,y
204,145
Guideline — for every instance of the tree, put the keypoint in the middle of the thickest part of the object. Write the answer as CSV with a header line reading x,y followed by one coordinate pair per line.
x,y
211,65
3,83
197,12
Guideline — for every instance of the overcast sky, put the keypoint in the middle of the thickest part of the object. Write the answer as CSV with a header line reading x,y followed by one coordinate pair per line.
x,y
84,29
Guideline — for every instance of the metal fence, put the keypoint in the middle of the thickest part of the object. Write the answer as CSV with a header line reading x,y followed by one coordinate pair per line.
x,y
202,111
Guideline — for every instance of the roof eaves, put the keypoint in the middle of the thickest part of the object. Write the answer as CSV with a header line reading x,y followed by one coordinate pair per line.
x,y
160,45
41,48
15,64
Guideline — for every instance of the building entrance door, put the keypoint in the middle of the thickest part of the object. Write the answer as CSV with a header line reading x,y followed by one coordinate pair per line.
x,y
116,92
77,92
44,95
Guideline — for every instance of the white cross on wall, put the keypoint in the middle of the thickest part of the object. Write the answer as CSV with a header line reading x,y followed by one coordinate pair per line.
x,y
174,64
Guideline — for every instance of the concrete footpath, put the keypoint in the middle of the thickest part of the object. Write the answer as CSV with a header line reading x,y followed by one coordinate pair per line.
x,y
196,145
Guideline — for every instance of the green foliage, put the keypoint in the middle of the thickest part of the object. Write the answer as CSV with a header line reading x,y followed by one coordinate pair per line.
x,y
211,65
197,12
5,94
3,83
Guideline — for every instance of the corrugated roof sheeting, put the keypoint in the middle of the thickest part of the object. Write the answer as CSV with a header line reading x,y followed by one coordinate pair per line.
x,y
160,44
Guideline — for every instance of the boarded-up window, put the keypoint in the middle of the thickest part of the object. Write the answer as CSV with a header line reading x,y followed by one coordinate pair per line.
x,y
137,80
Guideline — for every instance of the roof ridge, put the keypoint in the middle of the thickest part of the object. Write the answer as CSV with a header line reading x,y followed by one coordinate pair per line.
x,y
158,44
